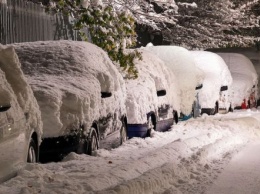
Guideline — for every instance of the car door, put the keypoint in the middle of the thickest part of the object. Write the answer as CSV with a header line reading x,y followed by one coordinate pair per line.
x,y
12,140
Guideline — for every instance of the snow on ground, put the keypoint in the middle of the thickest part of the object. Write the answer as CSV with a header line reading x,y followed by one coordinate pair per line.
x,y
187,159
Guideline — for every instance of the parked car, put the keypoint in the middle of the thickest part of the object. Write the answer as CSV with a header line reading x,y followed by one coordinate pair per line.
x,y
243,90
213,97
189,77
20,119
81,96
153,99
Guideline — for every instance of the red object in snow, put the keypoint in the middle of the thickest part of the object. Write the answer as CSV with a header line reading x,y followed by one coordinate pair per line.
x,y
243,105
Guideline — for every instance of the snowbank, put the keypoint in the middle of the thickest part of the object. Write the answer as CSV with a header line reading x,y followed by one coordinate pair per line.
x,y
67,78
244,77
142,97
180,61
10,65
217,74
185,160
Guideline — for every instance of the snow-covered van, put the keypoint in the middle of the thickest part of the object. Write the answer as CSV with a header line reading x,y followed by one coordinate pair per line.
x,y
20,118
189,77
81,95
245,80
213,97
153,99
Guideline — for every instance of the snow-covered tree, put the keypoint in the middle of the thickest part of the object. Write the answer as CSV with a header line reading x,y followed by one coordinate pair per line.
x,y
109,28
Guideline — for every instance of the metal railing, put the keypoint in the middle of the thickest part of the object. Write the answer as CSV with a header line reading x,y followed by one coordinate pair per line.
x,y
23,21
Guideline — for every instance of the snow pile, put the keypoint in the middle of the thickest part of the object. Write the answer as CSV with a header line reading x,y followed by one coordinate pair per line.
x,y
67,78
244,76
217,74
10,65
181,62
185,160
142,97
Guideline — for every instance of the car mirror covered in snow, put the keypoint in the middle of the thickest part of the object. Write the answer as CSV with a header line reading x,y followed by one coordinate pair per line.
x,y
161,93
4,108
106,94
199,87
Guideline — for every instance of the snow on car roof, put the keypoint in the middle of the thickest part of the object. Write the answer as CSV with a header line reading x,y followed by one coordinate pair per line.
x,y
217,74
153,76
181,62
22,92
238,63
67,78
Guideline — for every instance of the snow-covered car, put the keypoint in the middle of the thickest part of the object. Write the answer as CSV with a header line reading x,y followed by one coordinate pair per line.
x,y
20,118
213,97
153,99
245,80
81,95
189,77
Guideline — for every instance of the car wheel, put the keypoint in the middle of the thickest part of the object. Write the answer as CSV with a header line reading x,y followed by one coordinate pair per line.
x,y
93,142
150,126
123,133
32,156
216,109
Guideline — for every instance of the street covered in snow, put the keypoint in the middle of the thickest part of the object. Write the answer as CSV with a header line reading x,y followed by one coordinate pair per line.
x,y
196,156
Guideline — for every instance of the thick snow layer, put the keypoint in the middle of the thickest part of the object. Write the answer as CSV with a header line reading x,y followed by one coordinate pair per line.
x,y
142,97
180,61
217,74
187,159
244,76
67,78
10,65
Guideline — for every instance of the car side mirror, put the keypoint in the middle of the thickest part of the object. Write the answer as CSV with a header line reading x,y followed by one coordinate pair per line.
x,y
223,88
4,108
161,93
106,94
199,87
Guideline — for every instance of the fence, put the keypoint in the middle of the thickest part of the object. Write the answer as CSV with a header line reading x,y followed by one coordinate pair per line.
x,y
23,21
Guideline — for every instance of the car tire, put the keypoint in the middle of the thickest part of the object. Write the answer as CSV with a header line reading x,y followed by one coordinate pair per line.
x,y
123,133
32,152
93,142
150,126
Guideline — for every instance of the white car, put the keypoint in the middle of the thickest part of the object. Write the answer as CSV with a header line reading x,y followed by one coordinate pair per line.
x,y
153,99
189,77
213,97
81,96
245,80
20,119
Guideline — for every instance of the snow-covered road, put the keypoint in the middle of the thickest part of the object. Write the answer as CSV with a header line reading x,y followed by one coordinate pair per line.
x,y
189,159
242,174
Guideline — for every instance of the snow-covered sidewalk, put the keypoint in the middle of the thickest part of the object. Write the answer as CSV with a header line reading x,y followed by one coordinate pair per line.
x,y
187,159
